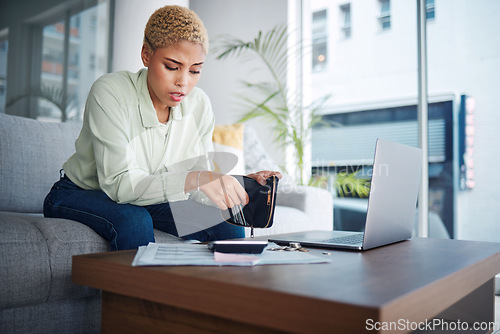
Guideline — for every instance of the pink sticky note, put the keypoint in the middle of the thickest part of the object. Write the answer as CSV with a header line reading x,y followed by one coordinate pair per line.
x,y
235,258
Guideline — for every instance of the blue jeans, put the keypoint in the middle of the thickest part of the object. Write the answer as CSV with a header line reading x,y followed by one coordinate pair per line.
x,y
125,226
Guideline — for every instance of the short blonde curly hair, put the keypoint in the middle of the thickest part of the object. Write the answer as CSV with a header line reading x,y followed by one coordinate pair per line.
x,y
171,24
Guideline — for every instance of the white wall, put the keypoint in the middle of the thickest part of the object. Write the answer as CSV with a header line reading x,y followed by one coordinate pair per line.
x,y
131,17
472,41
221,79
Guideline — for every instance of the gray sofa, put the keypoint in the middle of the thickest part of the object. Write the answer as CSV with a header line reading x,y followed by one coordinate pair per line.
x,y
36,292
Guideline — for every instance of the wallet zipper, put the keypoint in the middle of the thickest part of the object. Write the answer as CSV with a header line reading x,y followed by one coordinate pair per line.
x,y
270,201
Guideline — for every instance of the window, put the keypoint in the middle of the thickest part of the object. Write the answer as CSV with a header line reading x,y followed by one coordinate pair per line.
x,y
74,54
319,40
52,72
358,130
374,95
4,48
430,10
385,14
345,12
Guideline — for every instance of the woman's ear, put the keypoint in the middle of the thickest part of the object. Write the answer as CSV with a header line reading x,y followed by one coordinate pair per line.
x,y
145,55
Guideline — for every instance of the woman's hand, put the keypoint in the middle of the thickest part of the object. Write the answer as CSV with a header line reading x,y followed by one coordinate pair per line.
x,y
223,190
263,175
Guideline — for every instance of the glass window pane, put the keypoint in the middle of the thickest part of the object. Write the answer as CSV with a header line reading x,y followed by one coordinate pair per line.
x,y
373,84
319,24
4,48
345,11
430,10
68,70
347,16
88,56
385,14
369,82
319,39
385,7
49,103
386,23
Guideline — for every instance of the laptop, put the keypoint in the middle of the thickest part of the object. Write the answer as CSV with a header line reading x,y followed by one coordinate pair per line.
x,y
395,184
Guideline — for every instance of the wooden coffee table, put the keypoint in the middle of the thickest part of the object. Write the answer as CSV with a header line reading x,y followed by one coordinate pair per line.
x,y
404,285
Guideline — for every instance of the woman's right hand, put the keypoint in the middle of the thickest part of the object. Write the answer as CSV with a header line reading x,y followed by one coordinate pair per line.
x,y
223,190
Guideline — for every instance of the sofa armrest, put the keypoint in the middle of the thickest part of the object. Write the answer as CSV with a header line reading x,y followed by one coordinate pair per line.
x,y
317,203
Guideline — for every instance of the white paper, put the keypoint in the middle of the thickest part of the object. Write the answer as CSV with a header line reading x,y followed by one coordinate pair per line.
x,y
188,254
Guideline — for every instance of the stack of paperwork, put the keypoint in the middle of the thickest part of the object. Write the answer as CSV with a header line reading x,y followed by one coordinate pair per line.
x,y
187,254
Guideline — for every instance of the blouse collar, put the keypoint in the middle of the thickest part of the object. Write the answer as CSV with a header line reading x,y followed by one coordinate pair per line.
x,y
146,108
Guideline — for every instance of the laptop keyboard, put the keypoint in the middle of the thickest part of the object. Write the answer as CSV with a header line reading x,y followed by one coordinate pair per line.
x,y
347,240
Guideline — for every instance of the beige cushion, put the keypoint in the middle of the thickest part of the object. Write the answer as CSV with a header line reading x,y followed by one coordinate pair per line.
x,y
228,147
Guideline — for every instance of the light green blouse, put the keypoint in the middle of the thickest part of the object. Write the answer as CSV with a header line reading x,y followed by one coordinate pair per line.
x,y
125,151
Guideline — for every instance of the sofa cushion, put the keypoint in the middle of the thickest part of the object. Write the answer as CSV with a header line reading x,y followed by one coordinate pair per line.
x,y
257,159
286,220
36,256
75,316
64,239
31,155
163,237
25,266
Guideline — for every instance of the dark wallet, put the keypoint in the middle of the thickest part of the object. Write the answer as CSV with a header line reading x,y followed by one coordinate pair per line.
x,y
259,212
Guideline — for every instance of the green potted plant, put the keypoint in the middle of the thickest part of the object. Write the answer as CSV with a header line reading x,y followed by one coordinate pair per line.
x,y
272,99
351,185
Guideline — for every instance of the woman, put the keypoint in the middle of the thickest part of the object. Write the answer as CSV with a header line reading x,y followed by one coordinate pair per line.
x,y
144,146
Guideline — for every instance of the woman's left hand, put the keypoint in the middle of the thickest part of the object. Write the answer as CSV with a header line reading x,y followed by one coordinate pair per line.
x,y
263,175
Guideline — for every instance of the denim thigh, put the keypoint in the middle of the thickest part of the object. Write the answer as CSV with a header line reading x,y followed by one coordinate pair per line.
x,y
128,226
125,226
204,221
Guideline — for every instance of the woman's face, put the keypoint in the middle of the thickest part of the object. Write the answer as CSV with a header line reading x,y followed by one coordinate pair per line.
x,y
173,72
